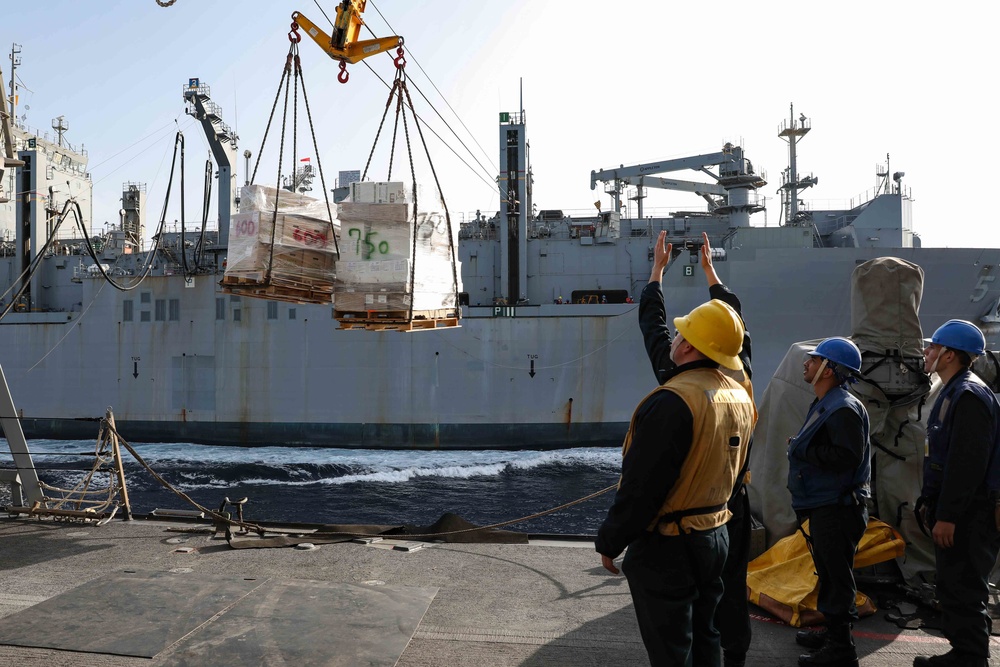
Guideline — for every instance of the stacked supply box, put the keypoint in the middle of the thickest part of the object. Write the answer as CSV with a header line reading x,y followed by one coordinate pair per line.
x,y
388,264
299,265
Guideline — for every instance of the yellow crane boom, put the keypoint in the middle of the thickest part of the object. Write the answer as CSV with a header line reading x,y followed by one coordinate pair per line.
x,y
344,44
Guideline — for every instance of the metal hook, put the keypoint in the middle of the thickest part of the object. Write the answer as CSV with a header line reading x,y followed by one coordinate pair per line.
x,y
293,35
400,60
344,75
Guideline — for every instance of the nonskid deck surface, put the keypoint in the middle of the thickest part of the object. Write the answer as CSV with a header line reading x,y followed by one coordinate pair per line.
x,y
143,593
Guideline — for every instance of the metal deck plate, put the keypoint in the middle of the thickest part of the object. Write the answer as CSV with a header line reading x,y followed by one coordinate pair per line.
x,y
311,624
223,621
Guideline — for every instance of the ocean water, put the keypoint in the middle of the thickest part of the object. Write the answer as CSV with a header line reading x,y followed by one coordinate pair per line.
x,y
319,485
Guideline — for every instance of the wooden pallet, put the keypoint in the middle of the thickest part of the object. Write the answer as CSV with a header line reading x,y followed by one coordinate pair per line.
x,y
283,280
397,320
278,290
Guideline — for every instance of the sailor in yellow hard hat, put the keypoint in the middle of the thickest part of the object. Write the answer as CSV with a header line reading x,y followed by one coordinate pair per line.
x,y
685,447
732,616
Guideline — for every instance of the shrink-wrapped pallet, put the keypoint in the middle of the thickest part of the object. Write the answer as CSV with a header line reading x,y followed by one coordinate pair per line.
x,y
303,253
389,264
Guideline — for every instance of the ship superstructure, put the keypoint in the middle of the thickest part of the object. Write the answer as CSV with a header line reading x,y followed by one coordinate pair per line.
x,y
548,353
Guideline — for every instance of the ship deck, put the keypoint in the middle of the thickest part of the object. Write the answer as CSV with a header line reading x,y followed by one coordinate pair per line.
x,y
145,592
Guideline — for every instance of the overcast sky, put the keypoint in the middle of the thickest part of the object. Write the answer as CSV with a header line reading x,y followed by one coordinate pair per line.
x,y
603,84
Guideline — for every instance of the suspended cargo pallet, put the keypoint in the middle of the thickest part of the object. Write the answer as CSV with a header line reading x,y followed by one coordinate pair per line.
x,y
395,264
397,320
281,247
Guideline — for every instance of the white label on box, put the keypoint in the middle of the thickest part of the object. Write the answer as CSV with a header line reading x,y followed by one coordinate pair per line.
x,y
369,300
382,298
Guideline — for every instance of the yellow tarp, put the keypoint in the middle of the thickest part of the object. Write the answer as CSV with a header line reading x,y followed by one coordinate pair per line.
x,y
783,581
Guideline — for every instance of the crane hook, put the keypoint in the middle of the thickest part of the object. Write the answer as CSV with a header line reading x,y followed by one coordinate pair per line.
x,y
400,60
344,75
293,35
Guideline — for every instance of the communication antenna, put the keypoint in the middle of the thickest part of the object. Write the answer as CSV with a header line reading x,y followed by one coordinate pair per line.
x,y
60,126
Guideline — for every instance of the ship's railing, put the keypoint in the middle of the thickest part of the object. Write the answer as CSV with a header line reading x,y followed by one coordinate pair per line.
x,y
850,204
872,193
192,228
21,143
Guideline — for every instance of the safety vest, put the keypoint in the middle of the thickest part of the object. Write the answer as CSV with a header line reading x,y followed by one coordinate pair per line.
x,y
939,427
723,418
812,486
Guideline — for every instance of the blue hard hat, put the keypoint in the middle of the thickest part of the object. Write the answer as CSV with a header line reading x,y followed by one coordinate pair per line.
x,y
960,335
840,351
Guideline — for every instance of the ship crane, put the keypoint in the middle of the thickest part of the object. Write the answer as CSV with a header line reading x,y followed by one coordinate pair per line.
x,y
729,194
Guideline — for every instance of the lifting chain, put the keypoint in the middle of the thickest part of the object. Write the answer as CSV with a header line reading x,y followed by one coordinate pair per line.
x,y
292,72
403,104
165,3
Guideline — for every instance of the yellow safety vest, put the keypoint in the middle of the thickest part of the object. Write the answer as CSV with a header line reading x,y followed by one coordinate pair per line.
x,y
723,416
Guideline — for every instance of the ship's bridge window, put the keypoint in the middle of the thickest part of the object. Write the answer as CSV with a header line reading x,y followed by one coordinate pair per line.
x,y
272,310
161,310
220,308
175,310
291,313
144,316
145,297
127,310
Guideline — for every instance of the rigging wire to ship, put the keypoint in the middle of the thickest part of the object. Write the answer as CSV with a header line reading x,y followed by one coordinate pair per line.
x,y
489,183
489,180
155,133
438,91
76,323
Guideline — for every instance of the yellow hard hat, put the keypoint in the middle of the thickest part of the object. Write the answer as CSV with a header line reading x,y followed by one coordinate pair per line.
x,y
715,330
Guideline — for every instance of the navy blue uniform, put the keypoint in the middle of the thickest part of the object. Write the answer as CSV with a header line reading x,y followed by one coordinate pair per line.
x,y
962,434
829,472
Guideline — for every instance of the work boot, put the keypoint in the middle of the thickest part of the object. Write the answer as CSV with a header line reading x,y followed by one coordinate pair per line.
x,y
838,651
811,639
952,658
730,659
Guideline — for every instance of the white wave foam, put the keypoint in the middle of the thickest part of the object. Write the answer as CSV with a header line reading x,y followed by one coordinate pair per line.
x,y
373,466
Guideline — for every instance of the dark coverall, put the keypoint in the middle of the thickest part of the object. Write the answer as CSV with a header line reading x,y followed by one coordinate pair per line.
x,y
675,581
835,530
732,617
963,499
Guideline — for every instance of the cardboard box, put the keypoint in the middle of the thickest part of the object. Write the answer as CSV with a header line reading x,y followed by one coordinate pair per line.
x,y
375,192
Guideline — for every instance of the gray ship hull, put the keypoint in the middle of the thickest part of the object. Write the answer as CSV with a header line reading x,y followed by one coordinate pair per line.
x,y
542,376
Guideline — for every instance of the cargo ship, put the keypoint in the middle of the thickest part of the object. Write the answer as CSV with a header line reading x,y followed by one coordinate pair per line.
x,y
548,353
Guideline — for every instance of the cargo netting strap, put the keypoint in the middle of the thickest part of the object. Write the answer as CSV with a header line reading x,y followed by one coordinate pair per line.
x,y
291,76
404,107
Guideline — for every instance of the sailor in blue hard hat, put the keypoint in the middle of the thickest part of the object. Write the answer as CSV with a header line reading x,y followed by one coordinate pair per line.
x,y
958,501
958,336
829,477
840,355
